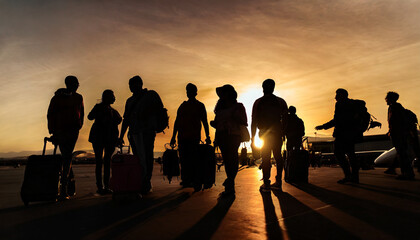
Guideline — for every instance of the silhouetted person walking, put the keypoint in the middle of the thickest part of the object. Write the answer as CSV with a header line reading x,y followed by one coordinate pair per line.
x,y
65,119
103,136
295,130
190,115
269,115
230,115
399,131
139,116
345,136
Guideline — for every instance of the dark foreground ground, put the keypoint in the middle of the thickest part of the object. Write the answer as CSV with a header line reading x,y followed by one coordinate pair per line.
x,y
380,207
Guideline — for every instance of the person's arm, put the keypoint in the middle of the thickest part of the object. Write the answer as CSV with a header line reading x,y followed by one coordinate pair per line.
x,y
82,112
117,117
303,127
175,131
51,116
254,121
326,125
92,113
241,113
330,123
205,124
124,125
284,112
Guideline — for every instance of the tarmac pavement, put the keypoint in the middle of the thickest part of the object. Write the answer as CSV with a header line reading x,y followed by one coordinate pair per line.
x,y
380,207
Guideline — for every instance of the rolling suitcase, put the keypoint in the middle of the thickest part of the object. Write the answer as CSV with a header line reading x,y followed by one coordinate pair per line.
x,y
170,162
206,165
41,179
127,174
296,167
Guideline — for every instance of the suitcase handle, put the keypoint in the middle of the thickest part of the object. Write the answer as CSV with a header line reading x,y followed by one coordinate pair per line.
x,y
169,146
52,140
121,149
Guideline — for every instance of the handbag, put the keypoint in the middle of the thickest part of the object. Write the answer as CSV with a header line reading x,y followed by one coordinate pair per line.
x,y
244,133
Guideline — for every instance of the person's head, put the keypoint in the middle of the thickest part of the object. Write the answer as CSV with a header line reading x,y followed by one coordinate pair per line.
x,y
227,92
191,90
108,97
136,84
391,97
341,94
72,83
292,110
268,86
227,97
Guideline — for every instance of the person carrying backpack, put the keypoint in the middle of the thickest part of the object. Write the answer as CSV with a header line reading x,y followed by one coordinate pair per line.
x,y
143,116
399,131
346,134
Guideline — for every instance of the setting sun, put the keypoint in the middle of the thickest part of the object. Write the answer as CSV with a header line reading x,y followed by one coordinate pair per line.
x,y
258,142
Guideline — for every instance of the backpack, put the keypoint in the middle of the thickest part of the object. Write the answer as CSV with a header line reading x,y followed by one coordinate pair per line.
x,y
162,120
362,118
410,117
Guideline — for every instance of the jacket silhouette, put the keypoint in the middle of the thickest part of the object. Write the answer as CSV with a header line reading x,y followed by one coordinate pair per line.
x,y
295,130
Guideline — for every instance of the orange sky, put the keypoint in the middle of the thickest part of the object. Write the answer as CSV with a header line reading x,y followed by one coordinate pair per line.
x,y
310,48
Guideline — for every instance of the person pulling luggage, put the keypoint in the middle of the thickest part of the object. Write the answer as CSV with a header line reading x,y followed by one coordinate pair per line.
x,y
190,115
65,119
104,136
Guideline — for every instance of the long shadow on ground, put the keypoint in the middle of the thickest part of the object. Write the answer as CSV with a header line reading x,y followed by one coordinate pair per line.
x,y
272,226
303,222
399,223
207,226
103,220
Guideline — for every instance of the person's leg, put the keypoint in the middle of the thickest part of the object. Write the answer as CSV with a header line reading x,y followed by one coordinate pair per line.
x,y
277,146
136,142
401,145
186,151
194,165
266,162
190,158
149,143
109,150
354,162
182,150
66,142
415,145
340,154
229,147
98,149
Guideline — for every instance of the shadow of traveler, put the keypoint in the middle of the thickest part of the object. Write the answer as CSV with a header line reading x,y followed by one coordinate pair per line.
x,y
269,115
295,130
65,119
187,125
345,136
140,114
230,115
103,136
399,131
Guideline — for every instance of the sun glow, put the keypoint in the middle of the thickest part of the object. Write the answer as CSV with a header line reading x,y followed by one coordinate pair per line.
x,y
258,142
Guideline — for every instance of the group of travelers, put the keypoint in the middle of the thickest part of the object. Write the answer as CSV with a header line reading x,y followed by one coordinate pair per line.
x,y
270,115
402,131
